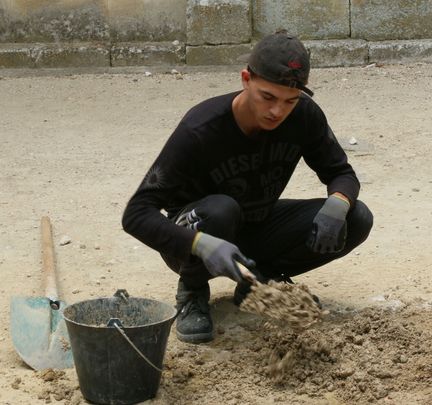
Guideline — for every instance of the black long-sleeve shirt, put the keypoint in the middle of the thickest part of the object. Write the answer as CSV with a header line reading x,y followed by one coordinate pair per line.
x,y
209,154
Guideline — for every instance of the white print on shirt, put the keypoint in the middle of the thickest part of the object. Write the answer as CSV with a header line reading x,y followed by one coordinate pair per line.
x,y
236,165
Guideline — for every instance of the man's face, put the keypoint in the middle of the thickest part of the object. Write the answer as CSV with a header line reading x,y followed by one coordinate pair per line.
x,y
269,103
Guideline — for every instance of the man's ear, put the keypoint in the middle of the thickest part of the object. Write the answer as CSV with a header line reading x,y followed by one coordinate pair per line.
x,y
246,77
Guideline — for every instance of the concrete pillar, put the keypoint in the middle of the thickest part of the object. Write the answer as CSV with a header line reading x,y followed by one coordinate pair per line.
x,y
218,31
419,50
53,20
307,19
147,20
391,19
332,53
215,22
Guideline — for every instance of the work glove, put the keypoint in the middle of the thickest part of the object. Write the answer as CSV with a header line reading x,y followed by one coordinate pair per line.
x,y
329,227
220,257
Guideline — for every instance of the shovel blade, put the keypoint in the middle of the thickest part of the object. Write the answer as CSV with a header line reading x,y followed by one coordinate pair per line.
x,y
39,333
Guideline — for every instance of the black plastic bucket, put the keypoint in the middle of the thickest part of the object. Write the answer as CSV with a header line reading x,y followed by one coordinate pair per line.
x,y
120,363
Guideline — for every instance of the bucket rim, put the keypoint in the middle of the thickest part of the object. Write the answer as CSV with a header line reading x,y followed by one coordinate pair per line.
x,y
169,318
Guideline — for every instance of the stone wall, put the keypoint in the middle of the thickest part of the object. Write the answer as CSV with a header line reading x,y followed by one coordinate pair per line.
x,y
47,33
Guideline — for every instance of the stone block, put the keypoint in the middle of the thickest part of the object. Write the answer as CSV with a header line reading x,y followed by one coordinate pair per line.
x,y
333,53
147,20
147,54
53,55
307,19
218,55
53,21
390,20
401,51
16,56
215,22
71,55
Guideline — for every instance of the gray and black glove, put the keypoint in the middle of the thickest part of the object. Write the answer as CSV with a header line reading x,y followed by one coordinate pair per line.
x,y
220,256
329,228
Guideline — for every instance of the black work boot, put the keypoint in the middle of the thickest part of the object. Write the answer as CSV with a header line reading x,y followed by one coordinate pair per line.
x,y
194,323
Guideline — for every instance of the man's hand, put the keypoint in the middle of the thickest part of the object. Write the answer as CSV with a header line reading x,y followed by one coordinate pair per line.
x,y
220,257
329,228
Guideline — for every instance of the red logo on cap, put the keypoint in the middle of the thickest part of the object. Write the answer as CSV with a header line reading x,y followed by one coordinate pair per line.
x,y
294,64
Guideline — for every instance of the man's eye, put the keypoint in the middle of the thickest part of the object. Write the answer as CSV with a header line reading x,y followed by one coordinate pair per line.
x,y
267,97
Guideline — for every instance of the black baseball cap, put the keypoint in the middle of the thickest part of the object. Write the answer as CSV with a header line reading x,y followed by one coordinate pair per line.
x,y
282,59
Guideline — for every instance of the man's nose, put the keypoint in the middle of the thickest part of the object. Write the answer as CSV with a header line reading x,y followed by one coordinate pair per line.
x,y
276,110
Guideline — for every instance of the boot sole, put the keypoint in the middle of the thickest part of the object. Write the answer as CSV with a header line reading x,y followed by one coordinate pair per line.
x,y
196,338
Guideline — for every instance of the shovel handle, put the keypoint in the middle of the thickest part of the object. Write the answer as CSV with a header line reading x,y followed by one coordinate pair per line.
x,y
48,266
246,274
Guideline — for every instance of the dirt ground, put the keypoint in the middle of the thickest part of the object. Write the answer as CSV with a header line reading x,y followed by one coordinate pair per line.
x,y
75,145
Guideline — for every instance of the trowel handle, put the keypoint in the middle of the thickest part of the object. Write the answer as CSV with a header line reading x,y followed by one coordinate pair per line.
x,y
48,266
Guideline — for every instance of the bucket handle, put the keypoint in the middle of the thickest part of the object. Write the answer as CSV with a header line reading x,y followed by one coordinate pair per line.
x,y
123,333
117,324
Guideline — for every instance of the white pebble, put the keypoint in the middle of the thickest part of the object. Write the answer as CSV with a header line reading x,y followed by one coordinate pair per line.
x,y
65,240
110,262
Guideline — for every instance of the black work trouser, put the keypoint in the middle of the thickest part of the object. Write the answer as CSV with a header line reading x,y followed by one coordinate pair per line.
x,y
277,244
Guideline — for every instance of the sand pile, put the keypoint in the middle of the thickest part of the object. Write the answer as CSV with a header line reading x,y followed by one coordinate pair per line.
x,y
291,309
373,355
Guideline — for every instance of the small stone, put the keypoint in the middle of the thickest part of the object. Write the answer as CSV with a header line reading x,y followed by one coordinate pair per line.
x,y
358,340
76,398
82,246
110,262
76,291
65,240
175,72
199,361
352,141
16,383
378,298
180,376
96,246
147,74
344,372
176,42
403,359
380,392
98,282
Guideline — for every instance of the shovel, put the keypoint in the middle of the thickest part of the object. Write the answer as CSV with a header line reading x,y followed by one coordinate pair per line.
x,y
37,326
